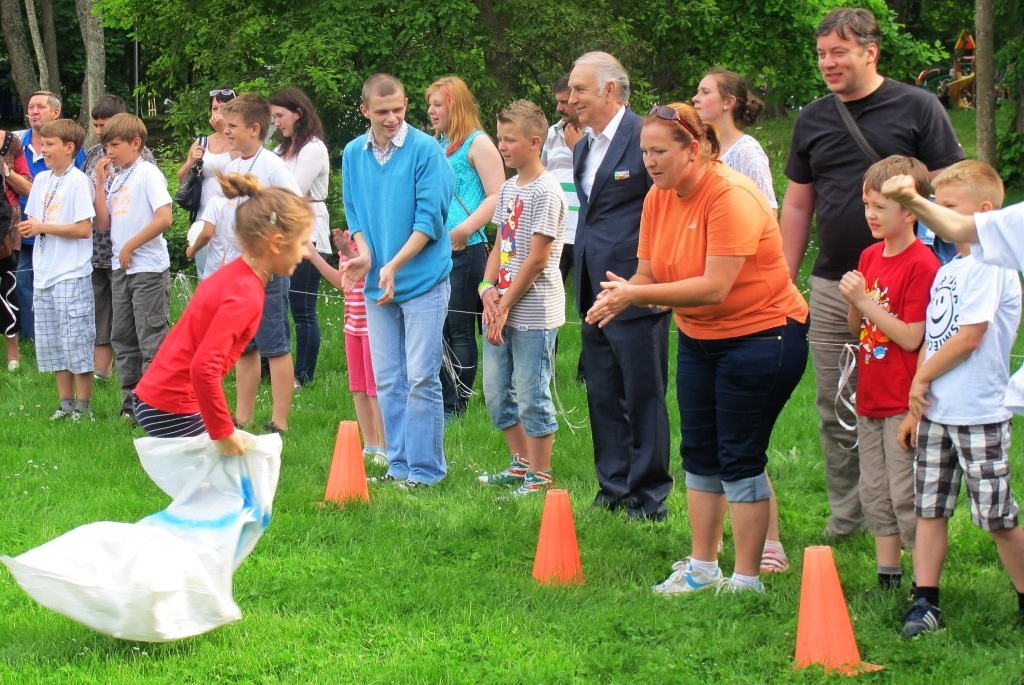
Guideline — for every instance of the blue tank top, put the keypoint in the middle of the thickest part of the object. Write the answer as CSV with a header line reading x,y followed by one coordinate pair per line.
x,y
468,187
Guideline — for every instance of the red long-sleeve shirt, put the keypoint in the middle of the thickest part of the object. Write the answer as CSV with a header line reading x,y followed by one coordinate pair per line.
x,y
187,373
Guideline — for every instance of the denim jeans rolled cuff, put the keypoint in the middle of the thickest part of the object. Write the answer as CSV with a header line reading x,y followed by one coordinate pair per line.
x,y
460,326
517,380
750,378
405,347
273,338
303,296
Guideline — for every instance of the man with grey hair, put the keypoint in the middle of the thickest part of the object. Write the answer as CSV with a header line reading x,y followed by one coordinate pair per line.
x,y
825,167
625,363
43,107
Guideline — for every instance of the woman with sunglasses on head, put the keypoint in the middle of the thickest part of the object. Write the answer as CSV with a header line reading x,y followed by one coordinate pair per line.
x,y
724,100
479,173
300,137
710,249
215,158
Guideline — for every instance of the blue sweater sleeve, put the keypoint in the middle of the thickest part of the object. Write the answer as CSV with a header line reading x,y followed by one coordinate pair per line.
x,y
348,190
434,187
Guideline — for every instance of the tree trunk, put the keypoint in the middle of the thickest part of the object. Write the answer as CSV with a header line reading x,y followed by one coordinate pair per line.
x,y
23,71
50,44
94,84
37,44
984,82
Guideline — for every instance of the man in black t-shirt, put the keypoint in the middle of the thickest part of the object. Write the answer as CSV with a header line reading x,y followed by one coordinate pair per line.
x,y
825,170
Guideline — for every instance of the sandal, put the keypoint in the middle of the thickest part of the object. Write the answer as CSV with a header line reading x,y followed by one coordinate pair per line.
x,y
272,427
774,561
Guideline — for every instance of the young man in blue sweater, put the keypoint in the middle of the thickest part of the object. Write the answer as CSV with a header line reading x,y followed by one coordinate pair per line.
x,y
397,186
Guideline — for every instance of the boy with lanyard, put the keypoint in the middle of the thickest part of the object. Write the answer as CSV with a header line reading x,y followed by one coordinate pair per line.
x,y
135,207
59,216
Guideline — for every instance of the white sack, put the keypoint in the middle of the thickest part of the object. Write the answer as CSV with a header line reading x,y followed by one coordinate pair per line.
x,y
167,576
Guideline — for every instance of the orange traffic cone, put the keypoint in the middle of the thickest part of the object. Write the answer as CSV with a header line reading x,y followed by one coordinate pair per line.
x,y
824,633
347,480
558,553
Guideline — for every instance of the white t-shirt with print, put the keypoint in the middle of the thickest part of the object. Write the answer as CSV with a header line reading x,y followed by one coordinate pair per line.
x,y
65,199
538,207
967,292
271,171
132,206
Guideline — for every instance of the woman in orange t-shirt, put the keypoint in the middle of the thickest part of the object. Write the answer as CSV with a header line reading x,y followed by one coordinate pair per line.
x,y
710,249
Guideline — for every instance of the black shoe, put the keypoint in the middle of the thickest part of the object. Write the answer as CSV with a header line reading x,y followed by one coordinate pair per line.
x,y
653,517
921,617
603,501
272,427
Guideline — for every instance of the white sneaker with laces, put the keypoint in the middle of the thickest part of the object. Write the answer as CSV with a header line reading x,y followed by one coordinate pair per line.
x,y
685,578
733,585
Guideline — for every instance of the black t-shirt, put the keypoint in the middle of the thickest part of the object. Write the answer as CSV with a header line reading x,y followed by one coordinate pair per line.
x,y
896,119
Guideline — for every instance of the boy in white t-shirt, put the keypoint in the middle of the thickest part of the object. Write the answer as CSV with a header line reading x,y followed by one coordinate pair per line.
x,y
60,211
135,207
524,302
246,125
956,402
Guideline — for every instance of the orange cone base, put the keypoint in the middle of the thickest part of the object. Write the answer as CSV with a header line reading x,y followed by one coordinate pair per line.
x,y
824,633
347,479
558,553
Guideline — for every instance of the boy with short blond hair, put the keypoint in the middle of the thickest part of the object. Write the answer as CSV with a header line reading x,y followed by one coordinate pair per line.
x,y
59,212
246,125
524,302
134,205
957,402
888,296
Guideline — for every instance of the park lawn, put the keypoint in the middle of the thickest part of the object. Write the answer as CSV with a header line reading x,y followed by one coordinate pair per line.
x,y
436,586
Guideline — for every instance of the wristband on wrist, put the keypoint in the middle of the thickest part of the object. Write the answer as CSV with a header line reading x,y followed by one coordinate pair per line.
x,y
484,285
485,289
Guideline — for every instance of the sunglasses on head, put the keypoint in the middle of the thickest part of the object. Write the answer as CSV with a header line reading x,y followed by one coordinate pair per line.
x,y
668,114
222,92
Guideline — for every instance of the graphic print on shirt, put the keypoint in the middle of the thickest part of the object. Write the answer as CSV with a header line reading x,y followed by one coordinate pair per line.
x,y
872,340
509,227
943,321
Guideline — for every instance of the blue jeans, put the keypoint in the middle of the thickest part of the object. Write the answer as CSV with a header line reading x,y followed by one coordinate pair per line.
x,y
517,380
460,327
405,347
273,338
730,393
303,299
24,289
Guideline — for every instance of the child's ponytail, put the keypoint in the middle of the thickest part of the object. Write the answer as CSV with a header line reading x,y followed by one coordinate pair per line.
x,y
266,212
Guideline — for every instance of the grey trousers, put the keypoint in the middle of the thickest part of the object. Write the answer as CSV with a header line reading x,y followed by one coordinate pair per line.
x,y
141,305
828,332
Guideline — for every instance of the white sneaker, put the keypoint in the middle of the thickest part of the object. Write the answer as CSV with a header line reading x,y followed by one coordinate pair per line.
x,y
732,585
13,365
685,578
60,415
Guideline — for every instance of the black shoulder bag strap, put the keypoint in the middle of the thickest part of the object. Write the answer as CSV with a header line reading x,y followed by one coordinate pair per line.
x,y
854,130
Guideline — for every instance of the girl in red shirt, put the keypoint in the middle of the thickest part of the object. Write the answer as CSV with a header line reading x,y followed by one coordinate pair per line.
x,y
181,393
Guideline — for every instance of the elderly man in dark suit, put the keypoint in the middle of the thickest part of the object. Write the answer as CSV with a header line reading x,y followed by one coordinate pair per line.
x,y
626,362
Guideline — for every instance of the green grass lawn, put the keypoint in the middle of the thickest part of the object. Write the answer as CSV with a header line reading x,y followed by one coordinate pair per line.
x,y
436,586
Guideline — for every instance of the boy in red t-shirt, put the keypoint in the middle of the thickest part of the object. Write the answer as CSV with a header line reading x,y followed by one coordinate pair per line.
x,y
888,296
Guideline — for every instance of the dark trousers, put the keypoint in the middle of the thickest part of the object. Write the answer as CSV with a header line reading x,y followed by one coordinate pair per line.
x,y
302,299
730,394
25,285
626,371
460,327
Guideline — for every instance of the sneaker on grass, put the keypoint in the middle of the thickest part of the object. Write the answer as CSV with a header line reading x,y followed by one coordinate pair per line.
x,y
774,561
77,416
921,617
735,585
60,415
375,456
534,482
513,475
685,578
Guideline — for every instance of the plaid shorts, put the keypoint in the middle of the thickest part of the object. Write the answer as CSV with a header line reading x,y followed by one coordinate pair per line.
x,y
981,453
65,326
